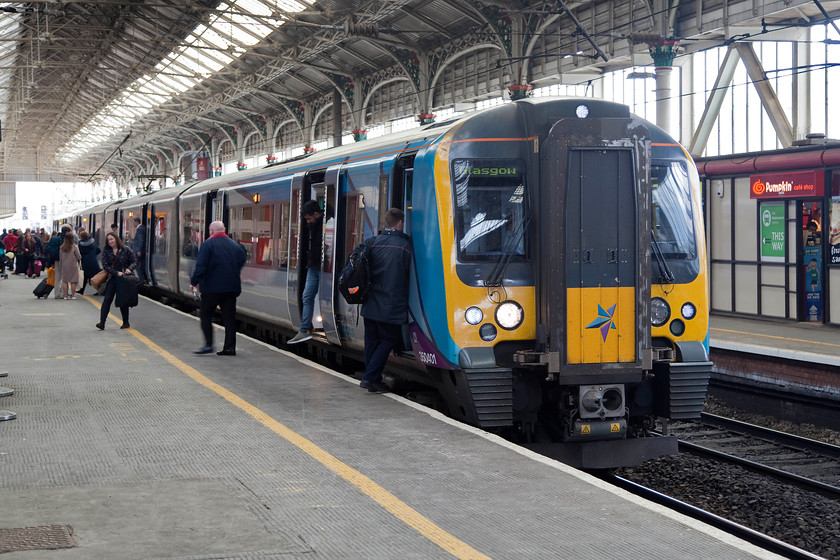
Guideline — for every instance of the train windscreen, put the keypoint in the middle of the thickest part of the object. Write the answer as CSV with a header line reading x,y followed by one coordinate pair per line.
x,y
490,208
672,220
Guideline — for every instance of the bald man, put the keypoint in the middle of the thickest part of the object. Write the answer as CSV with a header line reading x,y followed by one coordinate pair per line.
x,y
216,278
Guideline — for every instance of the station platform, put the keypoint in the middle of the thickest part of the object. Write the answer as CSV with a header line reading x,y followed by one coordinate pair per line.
x,y
128,446
802,358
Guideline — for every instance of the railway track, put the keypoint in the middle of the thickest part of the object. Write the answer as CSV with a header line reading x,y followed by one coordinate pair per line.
x,y
757,538
806,463
734,475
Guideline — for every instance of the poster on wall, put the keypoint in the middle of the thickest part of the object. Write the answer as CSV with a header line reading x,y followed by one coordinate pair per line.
x,y
834,230
772,236
813,283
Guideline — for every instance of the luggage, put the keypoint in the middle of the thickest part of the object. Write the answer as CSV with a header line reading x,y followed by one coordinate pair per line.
x,y
35,268
127,286
51,276
42,290
355,280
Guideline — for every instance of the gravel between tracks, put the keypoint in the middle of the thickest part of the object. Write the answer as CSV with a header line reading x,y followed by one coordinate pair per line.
x,y
789,514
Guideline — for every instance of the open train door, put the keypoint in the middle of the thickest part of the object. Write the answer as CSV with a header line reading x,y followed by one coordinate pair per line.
x,y
329,270
594,267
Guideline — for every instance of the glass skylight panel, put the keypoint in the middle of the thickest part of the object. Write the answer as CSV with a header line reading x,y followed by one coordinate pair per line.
x,y
208,49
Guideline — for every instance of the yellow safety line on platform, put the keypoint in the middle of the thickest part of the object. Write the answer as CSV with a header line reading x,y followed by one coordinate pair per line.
x,y
391,503
776,337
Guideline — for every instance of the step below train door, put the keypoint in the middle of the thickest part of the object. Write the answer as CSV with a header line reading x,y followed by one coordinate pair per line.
x,y
595,177
329,270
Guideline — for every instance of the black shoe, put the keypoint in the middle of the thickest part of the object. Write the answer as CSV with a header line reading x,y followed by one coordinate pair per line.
x,y
100,326
80,292
226,353
125,326
377,387
204,350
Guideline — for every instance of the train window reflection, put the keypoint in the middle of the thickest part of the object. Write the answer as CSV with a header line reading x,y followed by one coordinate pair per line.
x,y
673,223
489,208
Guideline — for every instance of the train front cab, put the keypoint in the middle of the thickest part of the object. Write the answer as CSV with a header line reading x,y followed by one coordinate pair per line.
x,y
581,367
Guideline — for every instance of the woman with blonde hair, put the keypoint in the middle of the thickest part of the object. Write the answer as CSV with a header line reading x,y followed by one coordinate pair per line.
x,y
69,266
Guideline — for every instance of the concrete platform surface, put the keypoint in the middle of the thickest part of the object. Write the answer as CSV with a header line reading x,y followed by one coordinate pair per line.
x,y
147,451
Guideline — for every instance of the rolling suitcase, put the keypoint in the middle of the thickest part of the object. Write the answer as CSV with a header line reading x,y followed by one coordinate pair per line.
x,y
42,289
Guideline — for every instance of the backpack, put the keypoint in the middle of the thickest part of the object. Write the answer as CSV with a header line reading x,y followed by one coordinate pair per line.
x,y
355,280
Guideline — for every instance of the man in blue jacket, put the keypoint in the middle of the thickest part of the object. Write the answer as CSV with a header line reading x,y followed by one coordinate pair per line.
x,y
216,278
386,309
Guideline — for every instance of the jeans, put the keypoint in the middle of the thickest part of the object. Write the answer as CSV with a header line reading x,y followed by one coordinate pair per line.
x,y
310,290
380,339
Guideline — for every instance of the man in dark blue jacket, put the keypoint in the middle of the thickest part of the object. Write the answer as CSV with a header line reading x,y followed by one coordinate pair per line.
x,y
216,278
386,309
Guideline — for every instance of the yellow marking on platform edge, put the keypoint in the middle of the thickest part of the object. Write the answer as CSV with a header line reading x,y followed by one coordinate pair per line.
x,y
775,337
391,503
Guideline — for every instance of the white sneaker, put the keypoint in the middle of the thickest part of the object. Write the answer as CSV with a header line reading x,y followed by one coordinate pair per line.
x,y
72,297
299,337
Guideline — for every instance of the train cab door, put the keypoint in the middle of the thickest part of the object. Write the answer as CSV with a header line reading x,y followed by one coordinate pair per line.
x,y
591,300
329,271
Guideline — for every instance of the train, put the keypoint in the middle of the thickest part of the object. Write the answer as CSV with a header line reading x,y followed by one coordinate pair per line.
x,y
558,292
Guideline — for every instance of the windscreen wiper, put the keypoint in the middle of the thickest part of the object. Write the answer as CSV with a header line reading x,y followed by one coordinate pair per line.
x,y
498,272
665,274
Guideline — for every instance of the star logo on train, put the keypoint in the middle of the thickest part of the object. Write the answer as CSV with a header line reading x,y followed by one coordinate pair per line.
x,y
604,321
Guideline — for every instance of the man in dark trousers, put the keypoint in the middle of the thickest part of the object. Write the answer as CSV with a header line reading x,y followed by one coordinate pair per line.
x,y
313,215
216,278
386,309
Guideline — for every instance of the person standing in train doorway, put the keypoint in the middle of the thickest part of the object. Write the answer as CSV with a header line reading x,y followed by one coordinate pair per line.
x,y
313,215
386,310
216,279
138,245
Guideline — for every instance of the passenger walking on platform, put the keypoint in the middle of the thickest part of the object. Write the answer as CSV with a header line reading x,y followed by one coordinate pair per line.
x,y
216,278
117,260
314,217
138,245
90,264
69,268
386,309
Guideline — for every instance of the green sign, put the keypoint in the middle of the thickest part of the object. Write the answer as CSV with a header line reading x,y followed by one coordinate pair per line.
x,y
772,240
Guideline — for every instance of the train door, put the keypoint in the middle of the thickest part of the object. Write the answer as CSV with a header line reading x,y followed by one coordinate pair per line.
x,y
295,278
329,270
810,260
401,193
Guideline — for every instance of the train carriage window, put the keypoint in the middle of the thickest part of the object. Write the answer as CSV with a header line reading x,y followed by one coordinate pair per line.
x,y
192,235
490,208
242,229
283,247
265,241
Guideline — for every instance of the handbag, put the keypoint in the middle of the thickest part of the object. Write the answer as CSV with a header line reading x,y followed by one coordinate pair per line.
x,y
98,279
126,287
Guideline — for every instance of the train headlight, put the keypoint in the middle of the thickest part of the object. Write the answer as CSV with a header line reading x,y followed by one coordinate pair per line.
x,y
660,312
487,332
688,311
582,111
473,315
509,315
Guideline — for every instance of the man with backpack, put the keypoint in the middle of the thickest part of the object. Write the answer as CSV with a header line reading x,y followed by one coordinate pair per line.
x,y
386,307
